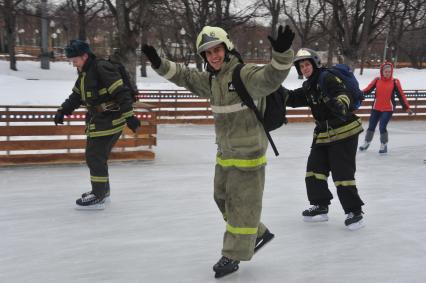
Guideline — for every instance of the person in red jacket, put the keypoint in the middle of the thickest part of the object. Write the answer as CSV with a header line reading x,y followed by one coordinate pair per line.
x,y
387,88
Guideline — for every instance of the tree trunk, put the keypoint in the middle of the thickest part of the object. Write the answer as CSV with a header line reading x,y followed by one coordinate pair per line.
x,y
127,40
143,57
81,19
10,22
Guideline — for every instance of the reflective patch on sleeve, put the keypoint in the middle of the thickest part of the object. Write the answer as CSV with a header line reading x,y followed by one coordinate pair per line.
x,y
171,72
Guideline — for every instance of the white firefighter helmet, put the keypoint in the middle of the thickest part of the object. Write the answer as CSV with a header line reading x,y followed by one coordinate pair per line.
x,y
306,54
212,36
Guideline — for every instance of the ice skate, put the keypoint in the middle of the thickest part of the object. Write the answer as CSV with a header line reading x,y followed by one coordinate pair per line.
x,y
225,266
90,202
263,240
316,213
354,221
383,148
364,146
107,197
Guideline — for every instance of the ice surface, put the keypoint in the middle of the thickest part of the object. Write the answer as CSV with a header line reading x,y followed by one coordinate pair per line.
x,y
163,226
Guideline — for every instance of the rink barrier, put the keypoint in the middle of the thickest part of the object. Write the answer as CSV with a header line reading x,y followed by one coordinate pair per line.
x,y
29,136
182,106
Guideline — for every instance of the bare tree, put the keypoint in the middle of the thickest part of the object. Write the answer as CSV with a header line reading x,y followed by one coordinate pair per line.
x,y
193,15
355,23
406,24
86,11
128,15
304,16
274,8
9,10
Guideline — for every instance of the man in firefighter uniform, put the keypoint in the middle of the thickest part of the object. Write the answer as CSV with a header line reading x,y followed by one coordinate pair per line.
x,y
100,88
334,143
241,141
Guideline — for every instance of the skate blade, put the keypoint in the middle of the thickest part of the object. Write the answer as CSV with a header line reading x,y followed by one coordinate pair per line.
x,y
222,274
98,206
316,218
356,226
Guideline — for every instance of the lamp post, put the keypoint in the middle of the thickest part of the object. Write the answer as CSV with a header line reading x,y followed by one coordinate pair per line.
x,y
182,32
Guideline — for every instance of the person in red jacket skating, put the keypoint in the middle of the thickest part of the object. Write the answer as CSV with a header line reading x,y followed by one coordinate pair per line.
x,y
387,88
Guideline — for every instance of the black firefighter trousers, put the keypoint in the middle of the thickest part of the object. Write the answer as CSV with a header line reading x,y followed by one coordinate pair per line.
x,y
339,158
98,150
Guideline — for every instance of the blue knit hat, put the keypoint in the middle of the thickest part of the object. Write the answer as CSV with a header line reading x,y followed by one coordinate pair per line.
x,y
77,47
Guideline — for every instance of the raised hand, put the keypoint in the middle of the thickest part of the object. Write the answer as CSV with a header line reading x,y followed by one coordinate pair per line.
x,y
284,39
152,55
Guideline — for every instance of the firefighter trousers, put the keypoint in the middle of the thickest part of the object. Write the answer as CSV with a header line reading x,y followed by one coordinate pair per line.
x,y
238,194
98,150
339,159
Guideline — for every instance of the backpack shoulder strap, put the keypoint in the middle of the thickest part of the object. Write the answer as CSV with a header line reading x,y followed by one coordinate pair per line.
x,y
241,89
248,100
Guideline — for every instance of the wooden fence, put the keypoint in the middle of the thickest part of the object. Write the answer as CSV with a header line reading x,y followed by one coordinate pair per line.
x,y
181,106
28,136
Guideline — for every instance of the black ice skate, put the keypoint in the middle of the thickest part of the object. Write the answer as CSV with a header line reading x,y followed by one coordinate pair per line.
x,y
225,266
107,197
263,240
90,202
383,148
354,221
316,213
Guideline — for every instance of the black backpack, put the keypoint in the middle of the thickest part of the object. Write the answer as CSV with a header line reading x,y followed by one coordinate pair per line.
x,y
126,78
274,116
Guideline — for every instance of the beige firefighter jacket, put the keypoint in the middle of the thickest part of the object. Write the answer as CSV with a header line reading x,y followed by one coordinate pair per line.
x,y
240,137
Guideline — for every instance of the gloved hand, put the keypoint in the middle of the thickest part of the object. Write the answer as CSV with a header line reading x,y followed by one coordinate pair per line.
x,y
284,39
59,117
337,106
410,112
152,55
133,123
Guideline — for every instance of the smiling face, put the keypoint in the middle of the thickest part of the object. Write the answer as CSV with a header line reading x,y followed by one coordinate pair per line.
x,y
387,71
216,56
306,68
79,61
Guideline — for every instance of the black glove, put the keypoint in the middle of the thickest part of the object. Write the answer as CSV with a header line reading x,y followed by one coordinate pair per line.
x,y
284,39
59,118
133,123
337,106
152,55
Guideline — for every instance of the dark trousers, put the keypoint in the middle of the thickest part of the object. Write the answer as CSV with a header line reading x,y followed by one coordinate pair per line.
x,y
339,159
375,117
97,153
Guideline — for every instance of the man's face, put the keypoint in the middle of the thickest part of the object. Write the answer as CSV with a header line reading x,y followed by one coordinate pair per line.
x,y
216,56
79,61
306,68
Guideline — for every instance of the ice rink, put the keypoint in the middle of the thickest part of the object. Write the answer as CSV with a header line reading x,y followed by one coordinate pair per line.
x,y
163,226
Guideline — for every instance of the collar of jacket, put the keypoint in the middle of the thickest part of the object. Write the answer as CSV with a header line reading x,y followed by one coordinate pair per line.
x,y
227,65
312,81
90,61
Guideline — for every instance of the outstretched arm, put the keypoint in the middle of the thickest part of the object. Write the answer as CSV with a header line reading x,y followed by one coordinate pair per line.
x,y
192,79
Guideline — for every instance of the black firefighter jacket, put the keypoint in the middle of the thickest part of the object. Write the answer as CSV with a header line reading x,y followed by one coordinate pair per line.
x,y
330,127
100,88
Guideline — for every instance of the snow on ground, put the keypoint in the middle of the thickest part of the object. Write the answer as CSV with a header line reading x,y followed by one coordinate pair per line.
x,y
163,226
32,85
